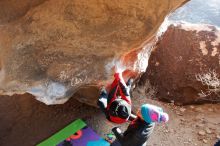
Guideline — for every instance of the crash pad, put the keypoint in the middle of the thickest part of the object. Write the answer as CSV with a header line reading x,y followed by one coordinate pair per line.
x,y
75,134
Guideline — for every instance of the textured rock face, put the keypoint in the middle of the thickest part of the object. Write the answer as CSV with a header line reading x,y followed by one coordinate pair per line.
x,y
185,65
54,48
13,9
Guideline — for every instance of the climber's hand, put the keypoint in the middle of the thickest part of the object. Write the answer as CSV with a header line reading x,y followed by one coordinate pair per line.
x,y
118,76
118,133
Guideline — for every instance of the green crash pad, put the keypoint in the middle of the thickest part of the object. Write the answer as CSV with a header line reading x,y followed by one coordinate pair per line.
x,y
75,134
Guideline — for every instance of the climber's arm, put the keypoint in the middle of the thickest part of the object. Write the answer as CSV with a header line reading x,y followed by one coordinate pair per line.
x,y
118,133
132,117
102,101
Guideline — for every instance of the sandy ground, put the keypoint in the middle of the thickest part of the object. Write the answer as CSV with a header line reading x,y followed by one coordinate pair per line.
x,y
25,121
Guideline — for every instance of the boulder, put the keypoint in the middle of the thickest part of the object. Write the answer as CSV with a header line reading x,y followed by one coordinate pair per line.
x,y
53,49
184,66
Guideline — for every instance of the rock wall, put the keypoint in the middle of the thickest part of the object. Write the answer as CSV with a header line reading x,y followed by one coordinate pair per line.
x,y
54,48
185,65
11,10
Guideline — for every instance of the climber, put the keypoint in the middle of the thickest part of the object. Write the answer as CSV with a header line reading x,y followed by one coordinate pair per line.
x,y
141,128
117,104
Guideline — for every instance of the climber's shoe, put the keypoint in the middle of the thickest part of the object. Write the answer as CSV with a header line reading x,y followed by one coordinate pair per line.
x,y
151,113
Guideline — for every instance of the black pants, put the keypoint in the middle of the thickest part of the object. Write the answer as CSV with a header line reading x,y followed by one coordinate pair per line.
x,y
136,134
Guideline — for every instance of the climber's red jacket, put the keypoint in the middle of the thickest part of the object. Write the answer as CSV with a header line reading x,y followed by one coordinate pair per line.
x,y
119,101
